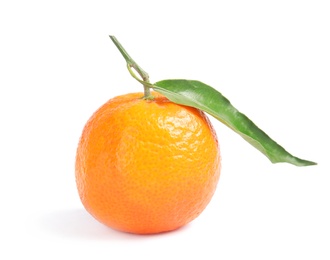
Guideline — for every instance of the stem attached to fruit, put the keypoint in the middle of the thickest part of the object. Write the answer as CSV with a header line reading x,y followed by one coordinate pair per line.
x,y
132,64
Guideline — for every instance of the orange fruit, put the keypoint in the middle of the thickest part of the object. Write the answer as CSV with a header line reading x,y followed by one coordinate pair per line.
x,y
147,166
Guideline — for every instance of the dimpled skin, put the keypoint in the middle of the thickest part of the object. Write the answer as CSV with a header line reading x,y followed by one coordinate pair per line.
x,y
146,166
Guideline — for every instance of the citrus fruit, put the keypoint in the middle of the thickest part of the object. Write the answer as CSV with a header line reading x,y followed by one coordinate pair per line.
x,y
147,166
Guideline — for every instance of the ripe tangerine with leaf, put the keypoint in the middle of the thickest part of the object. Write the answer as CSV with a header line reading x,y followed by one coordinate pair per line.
x,y
150,163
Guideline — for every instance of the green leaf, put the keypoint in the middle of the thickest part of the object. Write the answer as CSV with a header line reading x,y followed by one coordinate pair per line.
x,y
199,95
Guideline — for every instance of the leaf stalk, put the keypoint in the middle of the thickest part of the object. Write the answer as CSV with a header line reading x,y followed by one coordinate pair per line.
x,y
132,64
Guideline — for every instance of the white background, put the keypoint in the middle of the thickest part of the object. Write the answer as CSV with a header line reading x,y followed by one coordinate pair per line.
x,y
270,58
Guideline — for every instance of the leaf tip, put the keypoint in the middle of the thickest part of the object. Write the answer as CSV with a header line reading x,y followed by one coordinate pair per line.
x,y
301,162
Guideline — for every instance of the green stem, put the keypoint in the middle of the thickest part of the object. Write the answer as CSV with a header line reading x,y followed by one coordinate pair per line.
x,y
132,64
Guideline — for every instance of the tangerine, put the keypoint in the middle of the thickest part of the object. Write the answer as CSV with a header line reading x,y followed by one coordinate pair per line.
x,y
147,166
